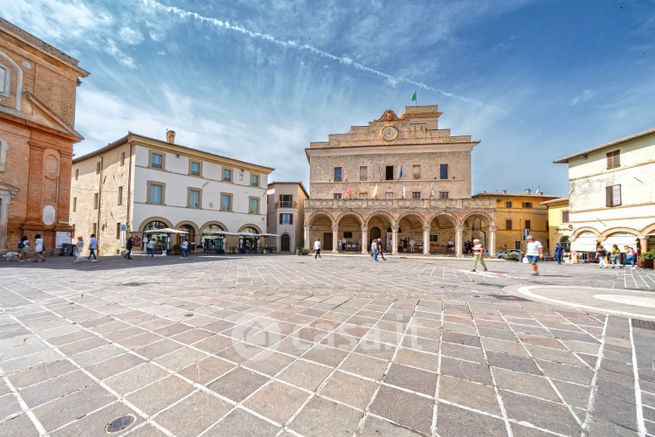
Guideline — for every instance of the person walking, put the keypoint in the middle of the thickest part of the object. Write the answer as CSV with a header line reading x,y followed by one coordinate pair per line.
x,y
601,254
380,251
79,247
129,244
615,255
559,251
93,246
185,249
38,249
630,257
478,255
534,252
317,248
23,249
151,247
374,250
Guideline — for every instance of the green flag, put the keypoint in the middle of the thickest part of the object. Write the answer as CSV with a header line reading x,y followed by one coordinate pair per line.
x,y
413,97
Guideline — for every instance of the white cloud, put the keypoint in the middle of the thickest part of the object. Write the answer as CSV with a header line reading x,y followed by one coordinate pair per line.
x,y
586,95
112,48
130,36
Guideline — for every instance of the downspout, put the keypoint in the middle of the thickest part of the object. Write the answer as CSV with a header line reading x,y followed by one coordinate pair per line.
x,y
99,226
129,193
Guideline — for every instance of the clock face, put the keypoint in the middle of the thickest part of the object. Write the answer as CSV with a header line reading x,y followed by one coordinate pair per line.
x,y
389,133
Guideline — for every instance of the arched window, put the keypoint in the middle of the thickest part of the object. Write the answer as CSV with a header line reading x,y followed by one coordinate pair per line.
x,y
4,147
5,77
249,230
154,225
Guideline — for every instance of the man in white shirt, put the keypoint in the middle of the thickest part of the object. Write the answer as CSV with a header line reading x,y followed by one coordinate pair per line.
x,y
534,252
317,248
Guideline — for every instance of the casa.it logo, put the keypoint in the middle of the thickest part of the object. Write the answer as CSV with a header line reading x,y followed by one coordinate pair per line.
x,y
255,339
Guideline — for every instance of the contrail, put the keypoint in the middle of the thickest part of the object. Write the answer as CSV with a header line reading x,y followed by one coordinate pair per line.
x,y
223,24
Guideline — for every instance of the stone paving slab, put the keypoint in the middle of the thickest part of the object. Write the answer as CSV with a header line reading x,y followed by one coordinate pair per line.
x,y
290,346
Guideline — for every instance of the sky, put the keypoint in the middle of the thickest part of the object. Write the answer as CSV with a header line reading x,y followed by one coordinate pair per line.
x,y
258,80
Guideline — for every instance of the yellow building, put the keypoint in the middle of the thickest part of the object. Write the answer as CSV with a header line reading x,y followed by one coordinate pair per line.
x,y
517,212
559,227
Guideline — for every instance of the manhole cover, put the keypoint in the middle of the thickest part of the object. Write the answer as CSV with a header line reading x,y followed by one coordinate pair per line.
x,y
120,424
643,324
510,298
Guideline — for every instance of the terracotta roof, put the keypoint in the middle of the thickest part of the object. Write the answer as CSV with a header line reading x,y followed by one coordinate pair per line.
x,y
302,187
645,133
501,194
558,200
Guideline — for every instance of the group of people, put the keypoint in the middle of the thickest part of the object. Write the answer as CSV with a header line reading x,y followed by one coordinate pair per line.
x,y
24,249
614,256
79,248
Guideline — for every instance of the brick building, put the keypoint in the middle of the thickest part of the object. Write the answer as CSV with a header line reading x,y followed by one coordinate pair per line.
x,y
37,117
402,179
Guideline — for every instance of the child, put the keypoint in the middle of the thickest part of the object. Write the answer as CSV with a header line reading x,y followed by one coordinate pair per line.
x,y
79,247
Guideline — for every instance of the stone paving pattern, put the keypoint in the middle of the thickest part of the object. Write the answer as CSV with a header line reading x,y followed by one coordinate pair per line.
x,y
289,346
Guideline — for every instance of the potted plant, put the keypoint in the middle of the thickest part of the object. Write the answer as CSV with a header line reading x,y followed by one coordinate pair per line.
x,y
648,258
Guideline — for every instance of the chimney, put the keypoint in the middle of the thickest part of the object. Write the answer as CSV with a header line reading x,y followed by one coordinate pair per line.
x,y
528,191
170,136
504,191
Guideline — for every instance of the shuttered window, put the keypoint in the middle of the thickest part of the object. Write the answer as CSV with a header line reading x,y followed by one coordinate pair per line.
x,y
613,195
613,159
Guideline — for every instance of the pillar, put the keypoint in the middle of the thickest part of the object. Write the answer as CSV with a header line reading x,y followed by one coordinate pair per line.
x,y
492,242
459,236
306,236
364,239
394,239
335,238
643,244
426,240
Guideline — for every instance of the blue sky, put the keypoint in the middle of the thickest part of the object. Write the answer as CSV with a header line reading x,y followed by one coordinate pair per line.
x,y
258,80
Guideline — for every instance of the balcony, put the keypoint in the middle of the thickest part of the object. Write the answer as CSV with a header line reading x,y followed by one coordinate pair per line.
x,y
286,204
399,203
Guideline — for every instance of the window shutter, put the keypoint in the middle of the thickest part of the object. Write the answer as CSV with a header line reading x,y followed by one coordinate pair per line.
x,y
290,219
608,196
616,195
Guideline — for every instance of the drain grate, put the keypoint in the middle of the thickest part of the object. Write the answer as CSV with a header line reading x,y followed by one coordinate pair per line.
x,y
120,424
510,298
132,284
643,324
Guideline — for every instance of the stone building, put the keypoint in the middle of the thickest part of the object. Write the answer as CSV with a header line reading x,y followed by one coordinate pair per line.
x,y
559,226
612,194
518,213
402,179
286,214
38,84
138,184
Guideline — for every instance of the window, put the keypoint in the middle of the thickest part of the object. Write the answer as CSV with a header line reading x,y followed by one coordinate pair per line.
x,y
155,193
443,195
338,174
118,231
416,194
508,224
4,148
508,204
614,159
120,195
194,198
389,172
227,175
4,81
347,234
195,168
122,158
77,173
95,200
528,224
286,201
416,171
98,167
388,195
613,195
527,205
337,195
286,218
74,204
363,173
253,205
156,160
565,216
226,202
363,195
443,171
254,180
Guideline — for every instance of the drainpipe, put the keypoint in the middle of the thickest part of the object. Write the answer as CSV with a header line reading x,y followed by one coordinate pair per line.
x,y
129,193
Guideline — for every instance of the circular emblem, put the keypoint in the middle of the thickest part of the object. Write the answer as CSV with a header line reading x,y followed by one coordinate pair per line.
x,y
389,133
49,214
570,227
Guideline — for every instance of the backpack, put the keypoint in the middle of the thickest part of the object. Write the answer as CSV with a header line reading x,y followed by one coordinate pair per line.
x,y
20,244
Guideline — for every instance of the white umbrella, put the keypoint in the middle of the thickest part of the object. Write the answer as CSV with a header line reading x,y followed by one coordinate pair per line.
x,y
165,231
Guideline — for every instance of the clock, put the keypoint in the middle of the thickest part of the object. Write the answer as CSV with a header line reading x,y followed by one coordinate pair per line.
x,y
389,133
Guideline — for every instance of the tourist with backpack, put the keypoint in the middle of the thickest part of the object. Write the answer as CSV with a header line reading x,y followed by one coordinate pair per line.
x,y
23,248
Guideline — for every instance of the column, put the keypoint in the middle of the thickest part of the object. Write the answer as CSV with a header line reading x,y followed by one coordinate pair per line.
x,y
426,240
459,234
394,239
643,244
306,236
364,240
492,242
335,238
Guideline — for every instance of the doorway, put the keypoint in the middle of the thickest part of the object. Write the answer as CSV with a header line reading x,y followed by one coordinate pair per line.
x,y
285,243
375,233
327,241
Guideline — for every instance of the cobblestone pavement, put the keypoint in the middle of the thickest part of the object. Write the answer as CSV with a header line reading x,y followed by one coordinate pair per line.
x,y
286,345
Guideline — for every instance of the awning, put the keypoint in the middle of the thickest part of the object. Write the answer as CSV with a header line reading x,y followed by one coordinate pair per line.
x,y
586,242
620,239
165,231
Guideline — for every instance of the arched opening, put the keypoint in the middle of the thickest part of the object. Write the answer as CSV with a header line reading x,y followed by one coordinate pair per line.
x,y
213,238
621,239
379,226
476,226
161,238
285,243
584,244
320,228
190,237
249,239
442,232
349,233
410,234
566,243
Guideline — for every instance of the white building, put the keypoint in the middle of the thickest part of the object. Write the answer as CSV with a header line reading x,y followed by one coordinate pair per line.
x,y
286,214
612,194
142,184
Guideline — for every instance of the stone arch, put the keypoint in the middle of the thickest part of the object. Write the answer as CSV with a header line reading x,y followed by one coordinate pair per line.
x,y
320,224
310,219
192,236
154,219
415,214
441,232
648,229
392,221
452,217
410,232
214,222
212,243
478,225
188,223
349,231
250,225
480,214
579,231
349,213
616,230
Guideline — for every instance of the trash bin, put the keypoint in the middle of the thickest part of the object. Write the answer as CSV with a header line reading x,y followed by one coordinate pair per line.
x,y
67,249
